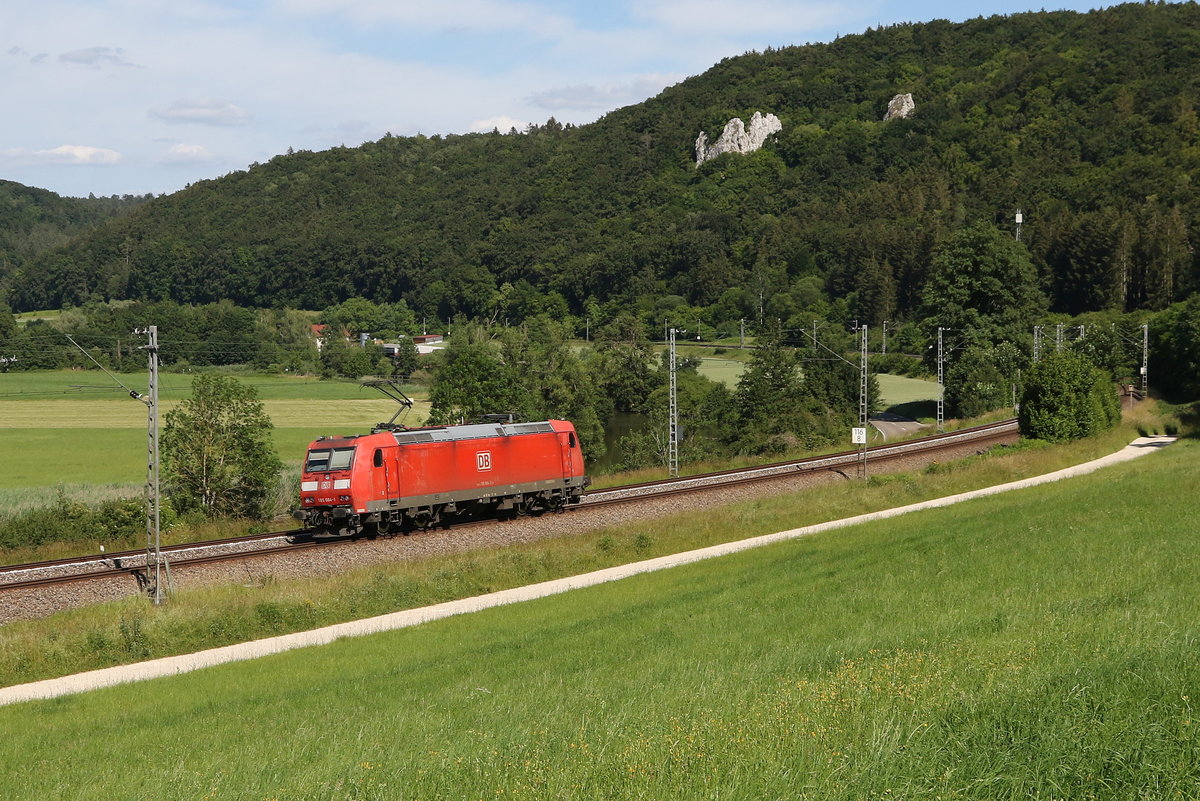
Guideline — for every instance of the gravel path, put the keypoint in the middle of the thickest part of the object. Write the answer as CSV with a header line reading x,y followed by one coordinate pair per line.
x,y
168,666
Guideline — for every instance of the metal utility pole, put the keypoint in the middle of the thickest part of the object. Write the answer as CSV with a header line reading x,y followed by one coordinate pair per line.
x,y
1058,338
941,404
1037,343
673,412
742,341
1145,360
885,324
1020,219
156,566
863,405
587,329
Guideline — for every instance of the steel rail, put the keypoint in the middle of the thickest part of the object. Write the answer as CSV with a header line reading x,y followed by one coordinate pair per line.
x,y
132,563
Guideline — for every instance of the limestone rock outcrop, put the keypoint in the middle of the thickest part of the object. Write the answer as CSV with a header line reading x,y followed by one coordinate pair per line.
x,y
900,107
737,138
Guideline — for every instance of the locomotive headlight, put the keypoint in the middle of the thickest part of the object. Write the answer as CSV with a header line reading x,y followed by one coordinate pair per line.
x,y
343,497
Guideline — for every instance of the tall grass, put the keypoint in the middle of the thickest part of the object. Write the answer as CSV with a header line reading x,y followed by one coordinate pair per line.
x,y
1035,645
19,500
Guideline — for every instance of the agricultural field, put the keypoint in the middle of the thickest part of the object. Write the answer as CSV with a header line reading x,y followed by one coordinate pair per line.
x,y
1022,645
85,430
76,427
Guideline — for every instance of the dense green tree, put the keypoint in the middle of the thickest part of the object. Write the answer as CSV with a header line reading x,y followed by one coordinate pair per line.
x,y
405,359
981,379
8,323
1175,344
217,451
1066,397
623,366
362,316
775,411
343,359
472,381
983,286
554,381
285,341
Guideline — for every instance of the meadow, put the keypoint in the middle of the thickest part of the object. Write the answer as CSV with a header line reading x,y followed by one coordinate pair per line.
x,y
75,428
79,430
899,390
1039,644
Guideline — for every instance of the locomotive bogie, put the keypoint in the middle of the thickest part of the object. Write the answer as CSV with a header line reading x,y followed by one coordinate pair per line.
x,y
420,478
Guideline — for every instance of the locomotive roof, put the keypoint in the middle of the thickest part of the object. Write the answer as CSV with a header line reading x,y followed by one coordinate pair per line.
x,y
453,433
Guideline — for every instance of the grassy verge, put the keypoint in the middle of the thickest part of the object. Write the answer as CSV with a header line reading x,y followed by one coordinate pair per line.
x,y
96,637
1035,645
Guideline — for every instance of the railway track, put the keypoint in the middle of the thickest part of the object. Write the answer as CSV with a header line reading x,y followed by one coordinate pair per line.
x,y
130,566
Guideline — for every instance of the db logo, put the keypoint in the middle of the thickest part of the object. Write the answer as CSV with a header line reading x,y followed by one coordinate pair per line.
x,y
326,485
483,460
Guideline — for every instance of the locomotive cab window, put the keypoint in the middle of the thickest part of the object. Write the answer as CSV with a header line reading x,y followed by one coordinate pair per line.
x,y
571,439
379,457
329,459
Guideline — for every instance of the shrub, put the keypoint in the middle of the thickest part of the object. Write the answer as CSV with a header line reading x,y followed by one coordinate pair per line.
x,y
118,520
1067,398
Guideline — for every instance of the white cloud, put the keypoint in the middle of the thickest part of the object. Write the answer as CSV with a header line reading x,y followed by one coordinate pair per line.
x,y
753,17
204,112
447,16
96,57
501,123
186,154
586,96
64,154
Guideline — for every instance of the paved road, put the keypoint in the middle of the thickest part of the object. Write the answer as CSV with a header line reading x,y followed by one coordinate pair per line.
x,y
82,682
893,426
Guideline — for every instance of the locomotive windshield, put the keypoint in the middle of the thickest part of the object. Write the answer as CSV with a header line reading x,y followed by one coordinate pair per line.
x,y
328,460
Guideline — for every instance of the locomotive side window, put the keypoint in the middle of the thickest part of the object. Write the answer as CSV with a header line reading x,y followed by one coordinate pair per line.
x,y
379,457
326,460
571,439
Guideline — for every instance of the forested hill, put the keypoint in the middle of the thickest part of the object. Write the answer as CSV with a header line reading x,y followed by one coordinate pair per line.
x,y
1087,122
33,221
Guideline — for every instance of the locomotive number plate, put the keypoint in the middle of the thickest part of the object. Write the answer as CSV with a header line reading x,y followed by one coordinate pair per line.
x,y
483,461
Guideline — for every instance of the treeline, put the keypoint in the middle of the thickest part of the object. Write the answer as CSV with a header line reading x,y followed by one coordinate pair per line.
x,y
34,221
534,370
1085,122
783,402
214,335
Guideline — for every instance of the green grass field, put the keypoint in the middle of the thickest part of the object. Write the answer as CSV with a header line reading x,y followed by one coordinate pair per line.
x,y
897,390
1035,645
67,435
93,384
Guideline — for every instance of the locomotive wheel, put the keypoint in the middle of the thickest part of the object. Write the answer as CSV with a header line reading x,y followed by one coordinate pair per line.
x,y
430,519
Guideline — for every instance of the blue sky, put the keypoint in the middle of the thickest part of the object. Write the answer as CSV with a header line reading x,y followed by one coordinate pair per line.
x,y
135,96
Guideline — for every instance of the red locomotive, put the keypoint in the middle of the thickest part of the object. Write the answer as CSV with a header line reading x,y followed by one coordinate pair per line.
x,y
415,478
